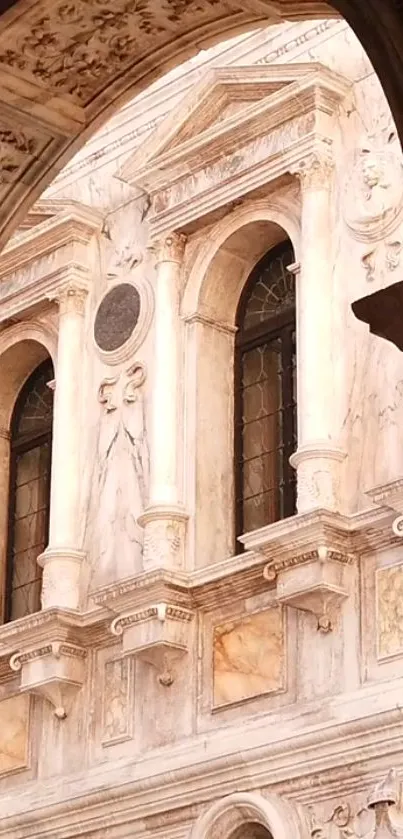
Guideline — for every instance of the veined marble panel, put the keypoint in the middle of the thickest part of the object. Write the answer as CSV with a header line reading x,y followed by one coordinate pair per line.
x,y
118,698
389,608
248,656
14,730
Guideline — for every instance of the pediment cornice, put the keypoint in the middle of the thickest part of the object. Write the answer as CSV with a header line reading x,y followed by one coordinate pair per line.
x,y
238,130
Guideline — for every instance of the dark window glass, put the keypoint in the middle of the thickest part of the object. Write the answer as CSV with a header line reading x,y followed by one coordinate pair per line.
x,y
31,440
265,393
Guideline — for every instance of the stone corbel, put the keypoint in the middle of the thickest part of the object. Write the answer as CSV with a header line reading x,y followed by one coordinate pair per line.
x,y
308,559
54,671
311,582
159,635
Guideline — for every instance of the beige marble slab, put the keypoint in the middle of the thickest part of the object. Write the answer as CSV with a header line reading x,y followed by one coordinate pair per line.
x,y
14,730
248,656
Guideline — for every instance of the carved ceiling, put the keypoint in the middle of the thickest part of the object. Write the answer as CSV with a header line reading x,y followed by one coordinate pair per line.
x,y
67,65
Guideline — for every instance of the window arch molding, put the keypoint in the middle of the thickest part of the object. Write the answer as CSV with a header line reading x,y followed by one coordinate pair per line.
x,y
222,818
227,255
22,349
201,296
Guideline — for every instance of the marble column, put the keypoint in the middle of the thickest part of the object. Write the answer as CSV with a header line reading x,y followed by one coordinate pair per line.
x,y
164,520
4,510
62,559
318,456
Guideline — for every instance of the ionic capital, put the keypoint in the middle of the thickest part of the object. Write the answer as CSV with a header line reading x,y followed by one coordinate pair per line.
x,y
170,249
314,171
71,298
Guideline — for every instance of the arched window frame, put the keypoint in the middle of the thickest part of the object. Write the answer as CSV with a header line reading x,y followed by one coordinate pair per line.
x,y
19,445
283,326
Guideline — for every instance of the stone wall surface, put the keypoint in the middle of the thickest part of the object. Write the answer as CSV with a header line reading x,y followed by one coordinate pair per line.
x,y
164,673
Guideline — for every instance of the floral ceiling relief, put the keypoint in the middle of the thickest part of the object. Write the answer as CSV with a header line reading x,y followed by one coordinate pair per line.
x,y
77,48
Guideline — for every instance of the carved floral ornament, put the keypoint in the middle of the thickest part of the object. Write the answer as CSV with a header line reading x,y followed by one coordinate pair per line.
x,y
315,170
76,48
122,319
372,821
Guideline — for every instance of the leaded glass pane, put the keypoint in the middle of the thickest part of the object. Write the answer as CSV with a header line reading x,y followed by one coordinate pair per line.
x,y
273,291
29,492
34,413
265,394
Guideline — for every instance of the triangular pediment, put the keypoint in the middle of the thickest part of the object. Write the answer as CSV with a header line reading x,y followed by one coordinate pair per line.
x,y
223,98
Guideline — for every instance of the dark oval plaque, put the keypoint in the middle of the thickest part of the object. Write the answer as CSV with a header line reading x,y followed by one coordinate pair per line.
x,y
117,317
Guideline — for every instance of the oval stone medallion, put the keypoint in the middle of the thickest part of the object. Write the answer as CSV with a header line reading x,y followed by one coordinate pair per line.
x,y
117,317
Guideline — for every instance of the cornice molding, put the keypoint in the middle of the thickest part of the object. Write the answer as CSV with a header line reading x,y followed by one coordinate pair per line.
x,y
333,747
74,223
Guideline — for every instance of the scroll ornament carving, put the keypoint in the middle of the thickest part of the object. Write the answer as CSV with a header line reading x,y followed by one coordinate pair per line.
x,y
383,258
365,820
131,380
170,249
373,195
123,460
315,170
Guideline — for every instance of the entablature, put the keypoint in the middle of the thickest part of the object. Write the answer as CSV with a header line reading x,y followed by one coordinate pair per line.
x,y
40,259
241,129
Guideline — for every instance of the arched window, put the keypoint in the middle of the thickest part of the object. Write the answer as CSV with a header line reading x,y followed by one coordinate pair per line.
x,y
31,437
265,393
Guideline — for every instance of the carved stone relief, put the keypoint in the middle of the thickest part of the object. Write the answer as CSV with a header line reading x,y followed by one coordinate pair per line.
x,y
76,48
117,701
19,147
122,320
123,459
384,258
373,192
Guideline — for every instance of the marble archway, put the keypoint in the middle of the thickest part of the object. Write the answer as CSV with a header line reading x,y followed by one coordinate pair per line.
x,y
66,67
249,815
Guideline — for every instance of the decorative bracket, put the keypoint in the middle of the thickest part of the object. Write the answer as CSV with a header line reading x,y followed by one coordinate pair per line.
x,y
55,671
311,582
159,635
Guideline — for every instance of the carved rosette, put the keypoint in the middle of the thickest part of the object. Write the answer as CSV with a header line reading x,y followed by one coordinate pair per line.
x,y
170,249
54,670
318,477
315,171
164,537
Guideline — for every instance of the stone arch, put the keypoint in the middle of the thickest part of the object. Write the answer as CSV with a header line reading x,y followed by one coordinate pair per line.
x,y
22,348
260,225
209,304
94,83
224,817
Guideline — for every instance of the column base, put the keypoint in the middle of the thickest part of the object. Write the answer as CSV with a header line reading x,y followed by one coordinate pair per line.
x,y
61,577
318,476
164,536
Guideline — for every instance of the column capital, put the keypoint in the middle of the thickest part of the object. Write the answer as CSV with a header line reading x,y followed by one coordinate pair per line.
x,y
170,249
71,298
314,171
